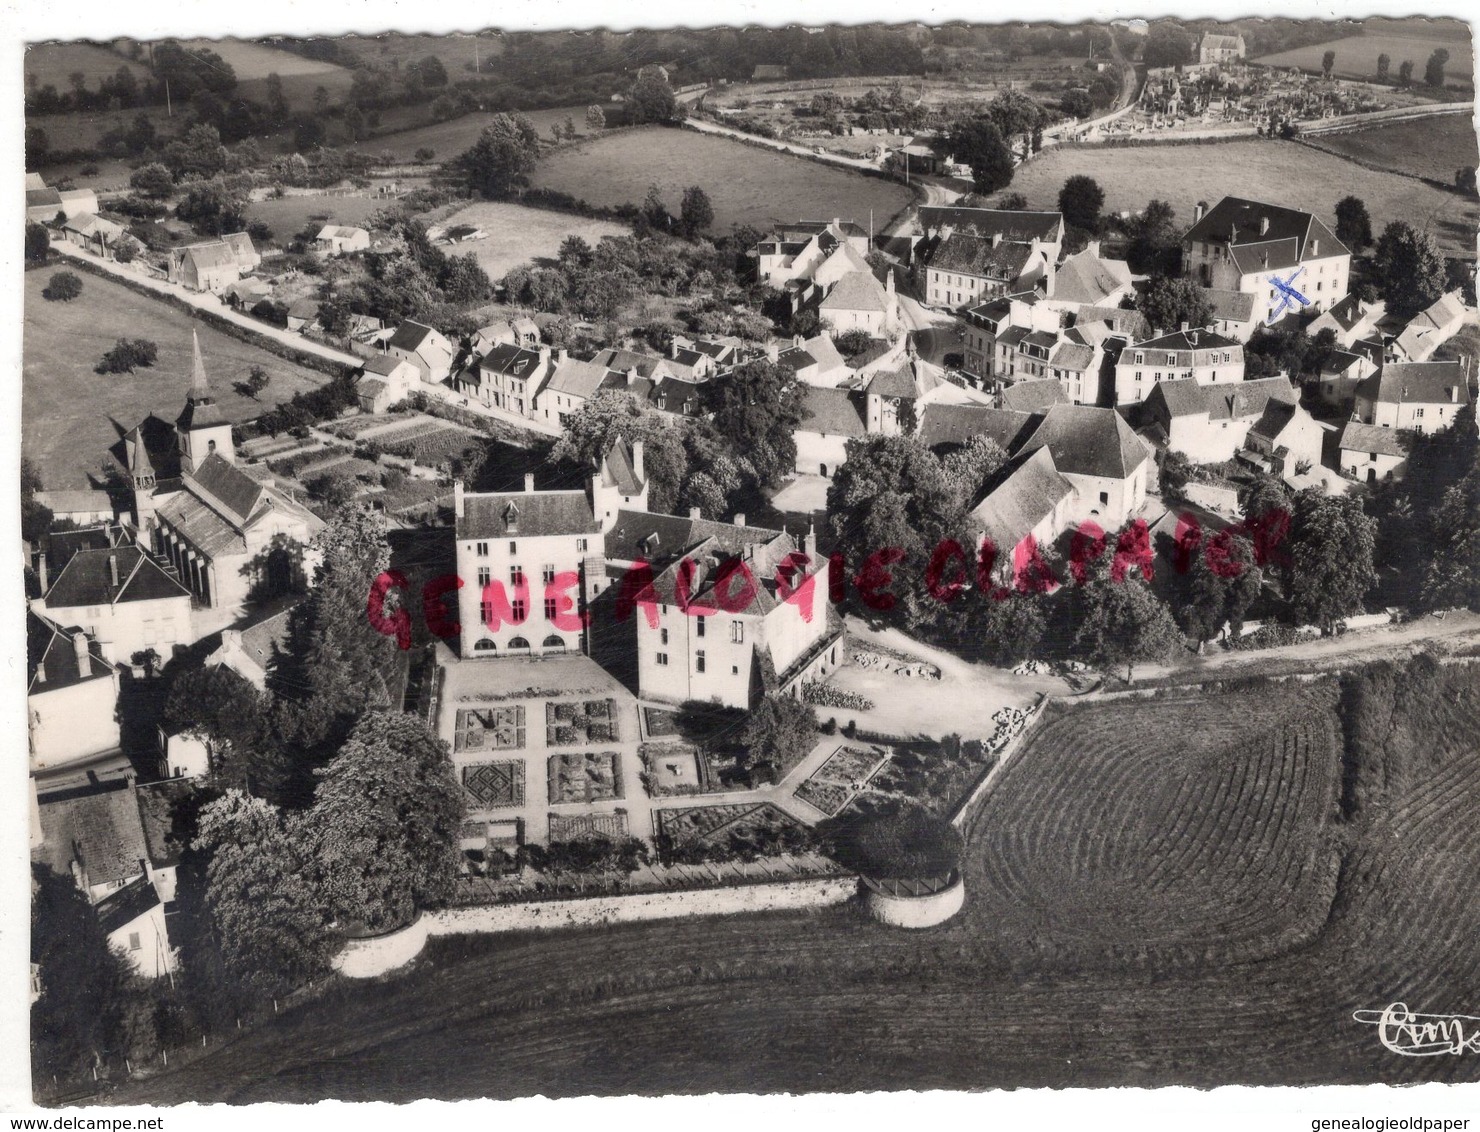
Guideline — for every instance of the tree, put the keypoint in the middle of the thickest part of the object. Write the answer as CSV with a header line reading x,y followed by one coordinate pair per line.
x,y
386,817
213,207
265,923
651,98
1170,302
38,242
126,355
757,410
500,161
1156,246
62,287
1464,180
1167,45
1328,60
423,154
1173,473
1225,582
1405,72
1080,200
592,429
431,71
1076,104
153,180
1012,202
1433,71
780,731
695,213
596,117
1353,225
1409,267
1331,548
1003,632
1014,114
36,518
1123,623
79,1014
969,467
1384,61
892,492
978,143
906,842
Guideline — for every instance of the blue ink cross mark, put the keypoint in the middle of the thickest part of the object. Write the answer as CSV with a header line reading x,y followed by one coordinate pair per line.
x,y
1288,295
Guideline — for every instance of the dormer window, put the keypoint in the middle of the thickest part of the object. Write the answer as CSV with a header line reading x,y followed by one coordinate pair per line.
x,y
511,516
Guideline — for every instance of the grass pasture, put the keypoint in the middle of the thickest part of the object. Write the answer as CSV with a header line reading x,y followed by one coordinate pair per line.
x,y
448,139
1430,147
746,184
1412,40
253,62
458,53
56,63
286,216
517,234
1259,168
73,415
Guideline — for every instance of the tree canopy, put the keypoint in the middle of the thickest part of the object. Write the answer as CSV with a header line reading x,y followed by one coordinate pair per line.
x,y
1331,547
978,143
1123,623
780,731
500,160
757,410
1080,200
1409,267
1353,225
905,843
1170,301
651,97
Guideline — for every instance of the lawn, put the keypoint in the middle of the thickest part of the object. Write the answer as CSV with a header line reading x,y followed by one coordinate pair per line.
x,y
72,415
287,216
517,234
448,139
253,62
1400,40
56,63
1429,147
1262,169
746,184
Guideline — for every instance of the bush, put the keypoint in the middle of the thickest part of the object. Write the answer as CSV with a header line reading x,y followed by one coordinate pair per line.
x,y
904,843
63,287
126,355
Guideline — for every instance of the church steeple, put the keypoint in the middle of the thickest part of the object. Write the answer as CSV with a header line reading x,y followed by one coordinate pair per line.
x,y
201,430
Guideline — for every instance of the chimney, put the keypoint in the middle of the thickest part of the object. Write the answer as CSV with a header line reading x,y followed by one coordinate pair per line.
x,y
673,349
41,571
739,519
1264,225
810,544
1093,247
562,355
1200,211
1315,246
772,351
113,571
1454,394
457,499
544,355
1264,259
637,459
1184,327
997,239
631,375
84,659
528,481
694,513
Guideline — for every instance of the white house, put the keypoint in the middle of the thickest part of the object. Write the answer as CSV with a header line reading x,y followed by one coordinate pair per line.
x,y
1429,329
1350,320
1205,357
337,239
1096,451
1371,453
387,380
425,348
1086,279
858,301
71,696
972,254
830,418
1422,396
1210,423
123,600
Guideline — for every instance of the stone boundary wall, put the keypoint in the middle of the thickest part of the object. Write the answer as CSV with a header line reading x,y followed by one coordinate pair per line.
x,y
367,958
915,911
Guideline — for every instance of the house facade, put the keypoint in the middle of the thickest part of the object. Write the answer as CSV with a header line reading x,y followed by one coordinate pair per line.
x,y
1201,355
124,600
71,696
425,348
971,255
1421,396
1210,423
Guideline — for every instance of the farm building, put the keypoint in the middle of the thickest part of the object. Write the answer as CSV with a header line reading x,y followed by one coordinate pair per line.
x,y
1422,396
303,314
1209,423
1218,48
1372,453
337,239
425,348
387,381
830,418
1429,329
1025,507
215,264
1351,320
93,234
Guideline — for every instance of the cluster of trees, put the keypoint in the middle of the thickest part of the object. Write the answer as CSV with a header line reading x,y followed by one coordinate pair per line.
x,y
1098,94
985,141
128,354
499,162
422,282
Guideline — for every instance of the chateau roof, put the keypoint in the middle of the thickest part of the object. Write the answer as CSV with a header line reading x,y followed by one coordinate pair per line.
x,y
535,514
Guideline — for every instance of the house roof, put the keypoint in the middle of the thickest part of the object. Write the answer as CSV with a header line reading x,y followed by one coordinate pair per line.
x,y
1272,422
51,656
1020,499
1130,323
1241,400
1431,325
1088,441
101,831
1191,340
264,640
1230,306
1015,226
1345,315
304,308
577,378
665,539
40,198
241,247
1214,40
1085,278
1339,361
1238,221
1359,437
976,255
909,380
340,232
215,254
1072,355
384,364
958,424
1033,396
833,412
157,802
1428,383
857,291
824,353
75,502
410,335
512,361
623,360
240,496
618,469
87,579
526,514
1266,255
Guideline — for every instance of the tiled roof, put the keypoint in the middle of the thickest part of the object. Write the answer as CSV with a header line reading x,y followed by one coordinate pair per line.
x,y
51,656
410,335
512,361
1015,226
534,515
212,255
1131,323
1237,220
623,360
1084,278
265,640
577,378
100,831
1339,361
224,483
1240,400
1359,437
1230,306
632,537
857,291
38,198
200,526
62,502
1033,396
833,412
958,424
1071,355
1021,499
88,580
241,247
1428,383
1191,340
304,308
1088,441
384,364
618,470
976,255
1267,255
1272,422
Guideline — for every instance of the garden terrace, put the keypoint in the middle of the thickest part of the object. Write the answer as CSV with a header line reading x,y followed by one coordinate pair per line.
x,y
579,827
588,777
496,784
490,729
576,723
718,826
838,781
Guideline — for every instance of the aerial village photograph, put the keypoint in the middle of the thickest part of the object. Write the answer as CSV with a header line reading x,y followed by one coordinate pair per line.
x,y
747,559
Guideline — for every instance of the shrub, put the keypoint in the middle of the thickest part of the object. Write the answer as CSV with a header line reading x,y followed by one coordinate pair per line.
x,y
63,287
908,842
126,355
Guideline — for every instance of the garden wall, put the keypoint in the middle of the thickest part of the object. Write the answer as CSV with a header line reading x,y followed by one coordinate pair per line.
x,y
901,910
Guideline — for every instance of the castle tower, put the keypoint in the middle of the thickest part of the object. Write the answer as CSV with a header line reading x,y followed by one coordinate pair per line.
x,y
201,430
